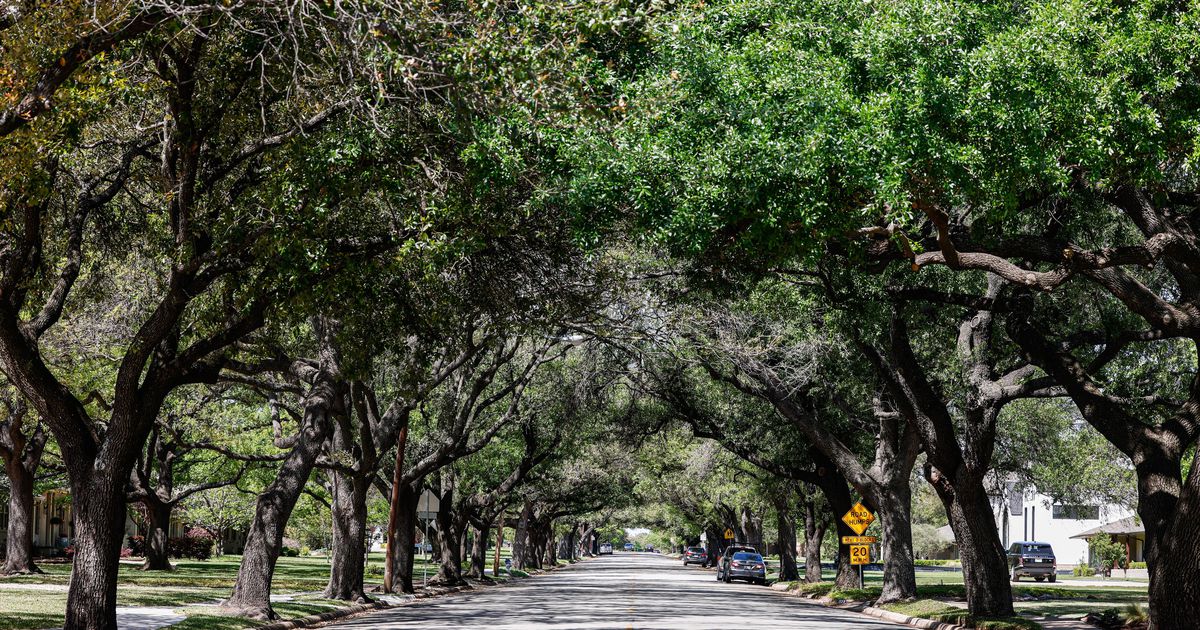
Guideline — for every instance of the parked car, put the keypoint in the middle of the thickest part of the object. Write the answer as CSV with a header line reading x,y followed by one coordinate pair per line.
x,y
726,559
628,546
695,555
1034,559
746,565
606,549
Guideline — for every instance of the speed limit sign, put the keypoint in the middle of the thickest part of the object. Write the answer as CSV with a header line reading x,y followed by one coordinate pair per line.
x,y
860,554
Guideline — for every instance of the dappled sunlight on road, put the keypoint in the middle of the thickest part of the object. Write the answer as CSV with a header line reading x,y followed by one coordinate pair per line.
x,y
625,591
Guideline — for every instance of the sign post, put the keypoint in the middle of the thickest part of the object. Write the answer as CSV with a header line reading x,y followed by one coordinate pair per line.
x,y
859,518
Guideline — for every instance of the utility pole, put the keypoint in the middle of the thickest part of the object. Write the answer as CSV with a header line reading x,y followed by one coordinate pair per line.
x,y
499,542
393,507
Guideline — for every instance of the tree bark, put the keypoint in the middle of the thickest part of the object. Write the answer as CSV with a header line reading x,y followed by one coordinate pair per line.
x,y
1172,543
158,525
984,562
521,542
715,536
751,526
403,536
99,513
550,550
479,549
449,560
900,579
348,563
837,495
814,536
252,591
19,544
787,543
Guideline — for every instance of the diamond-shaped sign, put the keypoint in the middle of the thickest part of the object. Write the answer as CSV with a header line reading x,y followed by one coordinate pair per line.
x,y
859,518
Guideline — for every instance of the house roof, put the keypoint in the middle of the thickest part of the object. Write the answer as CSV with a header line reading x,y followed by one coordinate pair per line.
x,y
1130,525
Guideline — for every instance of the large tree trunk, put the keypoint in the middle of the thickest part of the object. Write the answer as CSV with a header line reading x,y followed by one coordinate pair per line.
x,y
814,536
847,574
403,538
158,526
715,536
787,543
1168,512
449,548
479,549
566,547
984,562
750,525
99,514
19,544
521,538
349,539
549,549
252,591
837,495
899,574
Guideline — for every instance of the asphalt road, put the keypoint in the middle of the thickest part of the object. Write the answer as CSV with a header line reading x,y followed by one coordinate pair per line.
x,y
625,591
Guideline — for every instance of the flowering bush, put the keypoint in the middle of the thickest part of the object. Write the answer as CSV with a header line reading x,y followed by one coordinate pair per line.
x,y
196,544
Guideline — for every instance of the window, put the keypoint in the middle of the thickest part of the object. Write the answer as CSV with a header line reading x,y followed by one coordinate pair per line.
x,y
1076,512
753,557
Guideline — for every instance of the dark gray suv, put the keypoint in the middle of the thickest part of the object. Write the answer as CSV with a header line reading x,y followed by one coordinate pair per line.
x,y
1033,559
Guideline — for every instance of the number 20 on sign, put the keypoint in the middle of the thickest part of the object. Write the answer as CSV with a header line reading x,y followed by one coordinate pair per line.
x,y
860,554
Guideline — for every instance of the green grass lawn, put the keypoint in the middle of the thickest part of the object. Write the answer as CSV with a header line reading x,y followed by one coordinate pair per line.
x,y
942,593
940,611
192,582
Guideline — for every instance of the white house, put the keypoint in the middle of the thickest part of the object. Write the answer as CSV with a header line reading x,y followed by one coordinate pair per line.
x,y
1028,515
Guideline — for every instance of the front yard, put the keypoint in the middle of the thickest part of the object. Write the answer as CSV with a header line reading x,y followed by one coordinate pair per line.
x,y
193,589
941,596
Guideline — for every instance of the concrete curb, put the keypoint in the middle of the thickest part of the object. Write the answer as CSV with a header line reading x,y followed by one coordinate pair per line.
x,y
916,622
878,613
314,620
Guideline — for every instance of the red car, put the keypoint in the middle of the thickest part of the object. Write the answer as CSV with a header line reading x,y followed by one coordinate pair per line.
x,y
695,555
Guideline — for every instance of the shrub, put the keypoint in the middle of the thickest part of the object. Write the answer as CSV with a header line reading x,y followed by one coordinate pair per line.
x,y
126,552
1135,614
1109,553
1083,570
1137,565
289,552
196,544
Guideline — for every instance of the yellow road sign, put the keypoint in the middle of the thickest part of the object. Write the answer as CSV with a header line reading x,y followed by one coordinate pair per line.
x,y
859,540
728,534
859,518
860,554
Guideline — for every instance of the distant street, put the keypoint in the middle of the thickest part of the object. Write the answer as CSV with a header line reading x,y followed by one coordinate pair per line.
x,y
625,592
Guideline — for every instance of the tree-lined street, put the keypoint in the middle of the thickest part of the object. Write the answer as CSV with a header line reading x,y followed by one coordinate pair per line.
x,y
307,304
624,591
